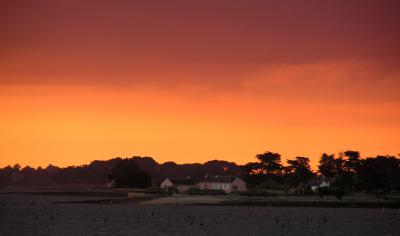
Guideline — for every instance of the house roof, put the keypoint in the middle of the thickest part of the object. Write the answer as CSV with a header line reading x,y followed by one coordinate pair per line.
x,y
182,181
217,179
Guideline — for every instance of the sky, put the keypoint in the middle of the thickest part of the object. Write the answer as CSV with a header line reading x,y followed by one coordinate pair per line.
x,y
191,81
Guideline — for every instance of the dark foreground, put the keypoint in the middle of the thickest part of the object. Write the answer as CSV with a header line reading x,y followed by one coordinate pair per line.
x,y
42,215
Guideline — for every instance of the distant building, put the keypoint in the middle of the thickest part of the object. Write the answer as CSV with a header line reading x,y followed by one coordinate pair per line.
x,y
239,185
222,182
320,182
110,184
182,185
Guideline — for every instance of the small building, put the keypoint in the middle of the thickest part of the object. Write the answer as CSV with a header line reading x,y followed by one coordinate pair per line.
x,y
321,182
182,185
239,185
110,184
222,182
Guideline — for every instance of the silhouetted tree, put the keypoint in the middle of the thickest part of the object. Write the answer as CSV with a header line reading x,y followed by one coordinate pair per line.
x,y
352,161
270,163
327,165
340,164
127,174
380,173
267,172
219,167
253,168
346,180
346,177
146,164
29,173
254,174
6,175
299,170
17,168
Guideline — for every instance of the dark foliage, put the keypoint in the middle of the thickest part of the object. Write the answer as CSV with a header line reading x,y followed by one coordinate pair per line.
x,y
381,173
196,191
270,163
298,171
256,193
329,166
127,174
95,174
271,174
349,171
353,160
332,191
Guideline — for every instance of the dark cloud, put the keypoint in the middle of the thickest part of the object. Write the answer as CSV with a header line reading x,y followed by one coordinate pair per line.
x,y
173,42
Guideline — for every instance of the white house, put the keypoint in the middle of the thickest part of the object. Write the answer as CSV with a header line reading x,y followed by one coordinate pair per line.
x,y
182,185
238,185
222,182
321,182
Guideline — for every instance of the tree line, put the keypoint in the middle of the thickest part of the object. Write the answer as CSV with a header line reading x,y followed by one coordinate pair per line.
x,y
97,173
346,170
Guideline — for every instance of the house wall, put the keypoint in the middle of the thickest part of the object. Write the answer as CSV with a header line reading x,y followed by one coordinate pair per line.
x,y
238,185
324,184
166,184
314,188
181,188
227,187
111,184
184,188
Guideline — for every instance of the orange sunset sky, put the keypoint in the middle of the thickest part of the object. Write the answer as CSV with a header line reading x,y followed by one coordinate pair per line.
x,y
191,81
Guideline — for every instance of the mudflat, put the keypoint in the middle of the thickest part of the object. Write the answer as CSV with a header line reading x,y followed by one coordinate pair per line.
x,y
27,214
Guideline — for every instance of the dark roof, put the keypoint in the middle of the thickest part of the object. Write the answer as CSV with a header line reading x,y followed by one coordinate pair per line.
x,y
318,181
217,179
314,182
182,181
